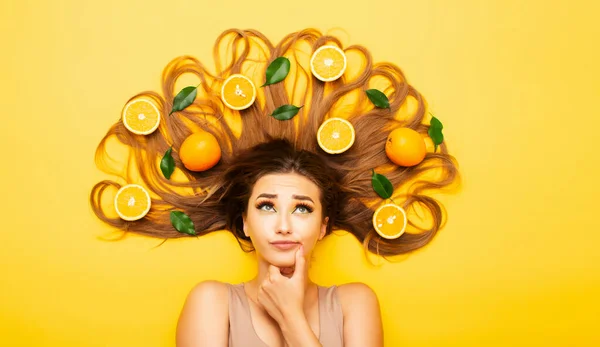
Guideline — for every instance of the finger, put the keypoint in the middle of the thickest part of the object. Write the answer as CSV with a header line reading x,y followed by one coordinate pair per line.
x,y
261,295
300,262
274,273
263,292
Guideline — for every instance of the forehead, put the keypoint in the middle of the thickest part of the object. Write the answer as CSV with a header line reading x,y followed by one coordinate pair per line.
x,y
286,184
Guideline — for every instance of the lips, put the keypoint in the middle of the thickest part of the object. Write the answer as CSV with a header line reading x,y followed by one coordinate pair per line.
x,y
285,245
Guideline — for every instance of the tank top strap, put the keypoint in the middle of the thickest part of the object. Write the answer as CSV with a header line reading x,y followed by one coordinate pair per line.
x,y
241,330
331,318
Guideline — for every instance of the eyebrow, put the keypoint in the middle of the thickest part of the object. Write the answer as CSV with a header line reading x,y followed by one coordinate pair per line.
x,y
274,196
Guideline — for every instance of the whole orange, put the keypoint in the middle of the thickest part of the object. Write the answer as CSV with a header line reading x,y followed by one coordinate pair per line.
x,y
405,147
200,151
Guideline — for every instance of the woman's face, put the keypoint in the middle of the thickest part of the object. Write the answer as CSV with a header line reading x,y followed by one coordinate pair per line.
x,y
284,212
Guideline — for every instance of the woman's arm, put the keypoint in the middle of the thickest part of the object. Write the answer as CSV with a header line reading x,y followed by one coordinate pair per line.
x,y
362,316
297,332
204,319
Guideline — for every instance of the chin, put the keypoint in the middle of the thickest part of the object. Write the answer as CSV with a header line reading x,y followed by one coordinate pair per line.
x,y
282,259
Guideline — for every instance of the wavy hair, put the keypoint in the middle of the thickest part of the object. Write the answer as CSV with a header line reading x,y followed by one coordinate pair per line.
x,y
212,198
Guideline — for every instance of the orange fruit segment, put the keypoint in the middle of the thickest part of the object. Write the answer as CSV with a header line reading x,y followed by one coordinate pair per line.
x,y
405,147
141,116
132,202
328,63
390,221
238,92
200,151
336,135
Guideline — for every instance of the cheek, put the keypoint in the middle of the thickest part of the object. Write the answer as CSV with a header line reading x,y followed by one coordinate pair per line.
x,y
257,225
311,230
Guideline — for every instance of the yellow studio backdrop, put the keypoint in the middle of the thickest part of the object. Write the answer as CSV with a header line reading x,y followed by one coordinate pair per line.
x,y
514,82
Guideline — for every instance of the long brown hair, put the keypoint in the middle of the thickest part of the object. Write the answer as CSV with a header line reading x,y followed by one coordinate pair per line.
x,y
213,198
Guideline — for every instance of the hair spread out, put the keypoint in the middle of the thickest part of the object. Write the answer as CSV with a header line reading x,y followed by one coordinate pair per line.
x,y
254,144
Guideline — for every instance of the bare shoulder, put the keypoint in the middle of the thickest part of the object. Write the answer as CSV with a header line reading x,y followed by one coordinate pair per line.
x,y
204,318
362,315
352,293
210,290
205,295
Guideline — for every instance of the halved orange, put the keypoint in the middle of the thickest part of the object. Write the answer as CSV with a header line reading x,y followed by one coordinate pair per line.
x,y
141,116
238,92
390,221
328,63
336,135
132,202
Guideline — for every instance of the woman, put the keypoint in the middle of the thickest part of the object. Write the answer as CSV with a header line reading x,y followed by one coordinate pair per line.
x,y
284,201
278,192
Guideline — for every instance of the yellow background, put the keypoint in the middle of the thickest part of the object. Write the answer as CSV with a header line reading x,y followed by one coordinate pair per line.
x,y
514,82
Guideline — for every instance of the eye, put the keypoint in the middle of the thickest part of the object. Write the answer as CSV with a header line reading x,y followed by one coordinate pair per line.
x,y
265,206
303,209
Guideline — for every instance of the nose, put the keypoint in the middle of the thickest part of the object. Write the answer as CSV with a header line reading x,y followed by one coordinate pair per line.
x,y
283,224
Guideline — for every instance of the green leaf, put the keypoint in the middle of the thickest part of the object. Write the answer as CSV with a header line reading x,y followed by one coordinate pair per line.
x,y
382,185
182,223
378,98
435,132
285,112
184,98
277,71
167,164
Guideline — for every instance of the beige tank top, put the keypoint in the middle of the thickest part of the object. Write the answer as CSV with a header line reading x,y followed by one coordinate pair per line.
x,y
242,333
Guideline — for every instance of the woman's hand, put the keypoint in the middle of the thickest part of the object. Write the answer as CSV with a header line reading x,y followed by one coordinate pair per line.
x,y
282,297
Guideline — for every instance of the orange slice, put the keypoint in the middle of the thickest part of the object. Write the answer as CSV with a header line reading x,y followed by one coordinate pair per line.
x,y
328,63
336,135
141,116
132,202
389,221
238,92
